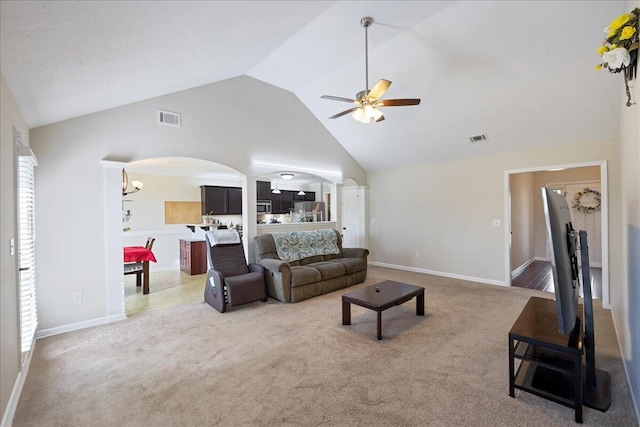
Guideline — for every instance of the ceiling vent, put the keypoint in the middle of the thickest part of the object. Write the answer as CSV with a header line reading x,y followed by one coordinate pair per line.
x,y
168,118
478,138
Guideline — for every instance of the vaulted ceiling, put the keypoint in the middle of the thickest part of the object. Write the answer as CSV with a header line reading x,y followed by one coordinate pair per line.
x,y
521,72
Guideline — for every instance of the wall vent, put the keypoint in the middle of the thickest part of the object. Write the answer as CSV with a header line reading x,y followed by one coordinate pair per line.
x,y
478,138
168,118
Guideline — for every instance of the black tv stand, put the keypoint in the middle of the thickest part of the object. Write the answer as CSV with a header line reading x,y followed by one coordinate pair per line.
x,y
551,363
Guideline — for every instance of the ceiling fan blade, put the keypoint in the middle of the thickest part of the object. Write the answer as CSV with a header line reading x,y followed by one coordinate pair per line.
x,y
350,110
398,102
339,98
379,89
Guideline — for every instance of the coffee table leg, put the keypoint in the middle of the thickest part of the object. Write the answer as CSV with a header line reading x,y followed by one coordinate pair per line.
x,y
346,312
420,304
379,325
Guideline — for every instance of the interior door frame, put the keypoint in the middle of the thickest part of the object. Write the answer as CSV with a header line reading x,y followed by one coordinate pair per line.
x,y
361,192
604,220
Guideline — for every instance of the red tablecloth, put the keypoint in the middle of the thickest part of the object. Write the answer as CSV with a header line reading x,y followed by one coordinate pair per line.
x,y
138,254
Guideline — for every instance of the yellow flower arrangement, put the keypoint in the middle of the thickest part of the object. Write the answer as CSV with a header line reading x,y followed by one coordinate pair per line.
x,y
619,51
627,32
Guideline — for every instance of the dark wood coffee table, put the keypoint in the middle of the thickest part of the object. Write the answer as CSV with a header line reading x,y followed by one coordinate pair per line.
x,y
380,297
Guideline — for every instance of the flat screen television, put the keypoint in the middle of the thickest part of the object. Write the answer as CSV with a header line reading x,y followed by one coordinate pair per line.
x,y
562,242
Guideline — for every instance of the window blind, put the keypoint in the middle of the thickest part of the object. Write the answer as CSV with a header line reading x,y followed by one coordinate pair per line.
x,y
26,247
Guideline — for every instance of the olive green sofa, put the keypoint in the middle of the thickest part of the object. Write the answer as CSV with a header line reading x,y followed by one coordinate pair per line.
x,y
312,275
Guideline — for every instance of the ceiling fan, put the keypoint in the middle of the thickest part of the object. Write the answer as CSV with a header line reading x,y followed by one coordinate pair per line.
x,y
368,101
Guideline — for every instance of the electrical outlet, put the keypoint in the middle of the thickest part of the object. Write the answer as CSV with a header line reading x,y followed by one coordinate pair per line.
x,y
77,297
417,254
497,223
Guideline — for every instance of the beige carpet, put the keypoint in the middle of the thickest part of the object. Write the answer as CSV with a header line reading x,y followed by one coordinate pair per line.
x,y
296,364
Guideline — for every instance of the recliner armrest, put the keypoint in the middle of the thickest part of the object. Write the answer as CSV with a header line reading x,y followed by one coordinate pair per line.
x,y
275,265
214,290
256,268
278,278
355,253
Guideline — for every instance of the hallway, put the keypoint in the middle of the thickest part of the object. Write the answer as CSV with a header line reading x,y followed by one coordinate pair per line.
x,y
537,275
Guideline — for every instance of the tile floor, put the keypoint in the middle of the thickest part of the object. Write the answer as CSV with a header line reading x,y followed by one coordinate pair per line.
x,y
167,289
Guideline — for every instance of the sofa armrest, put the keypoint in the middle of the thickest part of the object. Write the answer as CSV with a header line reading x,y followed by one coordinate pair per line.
x,y
355,253
278,278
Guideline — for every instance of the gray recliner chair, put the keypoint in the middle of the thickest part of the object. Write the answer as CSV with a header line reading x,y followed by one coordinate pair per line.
x,y
230,281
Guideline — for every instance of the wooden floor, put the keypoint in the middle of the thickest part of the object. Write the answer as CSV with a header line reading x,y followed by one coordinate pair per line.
x,y
537,275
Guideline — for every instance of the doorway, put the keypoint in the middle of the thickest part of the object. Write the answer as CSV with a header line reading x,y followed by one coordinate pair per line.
x,y
165,180
353,217
525,233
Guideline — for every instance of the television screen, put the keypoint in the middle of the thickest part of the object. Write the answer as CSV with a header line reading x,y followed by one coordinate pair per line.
x,y
561,241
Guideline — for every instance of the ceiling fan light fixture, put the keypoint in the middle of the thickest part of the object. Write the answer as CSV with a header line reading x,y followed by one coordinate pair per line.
x,y
367,113
367,101
360,116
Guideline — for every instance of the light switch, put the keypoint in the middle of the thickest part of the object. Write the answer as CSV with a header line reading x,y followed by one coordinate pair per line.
x,y
12,247
497,223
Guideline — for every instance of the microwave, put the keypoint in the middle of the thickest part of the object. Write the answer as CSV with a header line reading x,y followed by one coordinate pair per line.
x,y
264,207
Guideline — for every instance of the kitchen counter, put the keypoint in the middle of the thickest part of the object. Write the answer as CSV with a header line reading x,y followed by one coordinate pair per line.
x,y
295,226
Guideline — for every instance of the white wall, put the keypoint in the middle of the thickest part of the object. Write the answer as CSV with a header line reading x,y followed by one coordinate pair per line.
x,y
445,211
10,352
147,209
233,122
522,241
625,298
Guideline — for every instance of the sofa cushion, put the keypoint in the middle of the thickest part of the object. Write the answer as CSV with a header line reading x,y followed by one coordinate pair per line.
x,y
311,259
329,270
351,265
303,275
333,256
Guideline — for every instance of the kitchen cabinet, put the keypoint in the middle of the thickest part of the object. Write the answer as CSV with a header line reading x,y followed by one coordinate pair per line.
x,y
221,200
308,196
276,203
193,256
282,203
263,190
287,201
235,201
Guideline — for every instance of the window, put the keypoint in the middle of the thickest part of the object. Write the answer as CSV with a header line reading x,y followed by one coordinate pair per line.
x,y
26,246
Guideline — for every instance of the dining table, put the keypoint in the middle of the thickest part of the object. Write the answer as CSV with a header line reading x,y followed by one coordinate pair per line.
x,y
140,255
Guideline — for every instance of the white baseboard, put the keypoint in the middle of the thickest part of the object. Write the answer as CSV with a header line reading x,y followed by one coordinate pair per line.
x,y
541,258
440,273
12,404
79,325
522,267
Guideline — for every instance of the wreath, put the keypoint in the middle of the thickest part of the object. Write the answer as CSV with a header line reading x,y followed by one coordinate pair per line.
x,y
587,209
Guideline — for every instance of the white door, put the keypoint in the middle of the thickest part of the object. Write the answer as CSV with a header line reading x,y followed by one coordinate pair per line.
x,y
353,218
586,217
